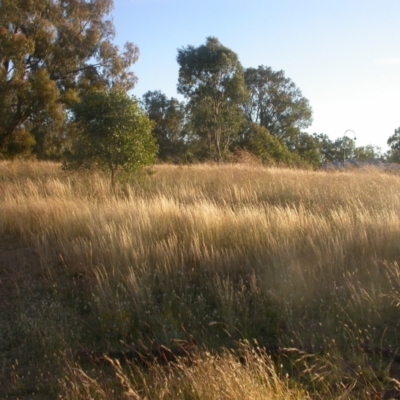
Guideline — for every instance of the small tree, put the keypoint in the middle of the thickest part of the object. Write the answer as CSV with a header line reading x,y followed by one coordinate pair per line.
x,y
112,133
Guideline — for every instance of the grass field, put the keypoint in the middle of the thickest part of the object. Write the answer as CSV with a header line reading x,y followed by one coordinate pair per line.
x,y
258,283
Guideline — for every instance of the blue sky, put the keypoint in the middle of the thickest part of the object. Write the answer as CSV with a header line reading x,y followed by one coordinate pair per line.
x,y
344,55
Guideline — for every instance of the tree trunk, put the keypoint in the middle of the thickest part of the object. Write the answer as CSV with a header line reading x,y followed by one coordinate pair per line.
x,y
113,171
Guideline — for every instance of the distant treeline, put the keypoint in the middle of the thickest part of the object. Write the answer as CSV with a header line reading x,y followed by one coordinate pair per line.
x,y
54,54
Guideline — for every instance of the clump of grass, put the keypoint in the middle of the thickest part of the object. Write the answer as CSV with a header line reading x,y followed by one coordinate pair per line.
x,y
245,374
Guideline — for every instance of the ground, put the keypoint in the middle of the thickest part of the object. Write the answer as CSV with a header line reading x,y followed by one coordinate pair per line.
x,y
20,268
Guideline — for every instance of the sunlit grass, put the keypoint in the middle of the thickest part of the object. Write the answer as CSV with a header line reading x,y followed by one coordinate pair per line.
x,y
290,258
244,374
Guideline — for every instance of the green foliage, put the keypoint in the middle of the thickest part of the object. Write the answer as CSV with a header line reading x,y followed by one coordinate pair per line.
x,y
393,156
276,103
394,144
212,78
344,148
52,52
394,140
257,139
21,145
308,149
340,150
326,147
265,146
112,133
169,118
366,153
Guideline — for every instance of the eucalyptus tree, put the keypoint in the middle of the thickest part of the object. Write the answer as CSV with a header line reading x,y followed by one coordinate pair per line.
x,y
52,52
169,116
276,103
393,142
212,79
326,147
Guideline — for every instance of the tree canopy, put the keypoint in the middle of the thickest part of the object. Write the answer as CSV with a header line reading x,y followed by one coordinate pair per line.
x,y
51,53
394,140
211,78
394,144
169,118
112,133
276,103
265,146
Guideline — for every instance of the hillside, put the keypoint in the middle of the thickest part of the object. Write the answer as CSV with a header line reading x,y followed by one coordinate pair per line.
x,y
199,282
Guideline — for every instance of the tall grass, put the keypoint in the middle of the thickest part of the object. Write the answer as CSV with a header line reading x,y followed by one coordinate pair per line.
x,y
290,258
244,374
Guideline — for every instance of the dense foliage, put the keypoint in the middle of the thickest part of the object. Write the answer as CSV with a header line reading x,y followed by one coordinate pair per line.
x,y
276,103
112,133
394,143
51,53
212,79
170,130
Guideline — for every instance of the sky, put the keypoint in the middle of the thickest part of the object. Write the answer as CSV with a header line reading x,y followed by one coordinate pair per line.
x,y
344,55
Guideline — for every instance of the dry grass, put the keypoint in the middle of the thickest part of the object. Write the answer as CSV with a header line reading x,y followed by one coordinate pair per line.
x,y
245,374
288,257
